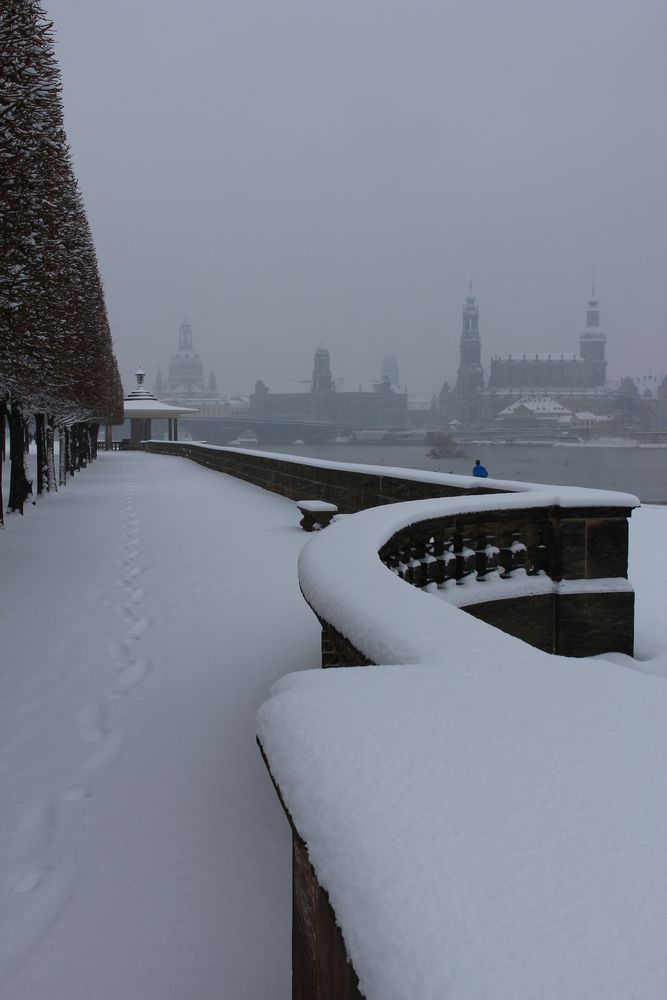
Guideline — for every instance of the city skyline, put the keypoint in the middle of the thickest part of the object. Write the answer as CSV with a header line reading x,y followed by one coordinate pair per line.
x,y
289,174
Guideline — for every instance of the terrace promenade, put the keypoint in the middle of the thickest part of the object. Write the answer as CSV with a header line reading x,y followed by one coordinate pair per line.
x,y
151,605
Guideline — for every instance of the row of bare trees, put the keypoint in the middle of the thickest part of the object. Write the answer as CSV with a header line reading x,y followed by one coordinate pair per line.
x,y
58,372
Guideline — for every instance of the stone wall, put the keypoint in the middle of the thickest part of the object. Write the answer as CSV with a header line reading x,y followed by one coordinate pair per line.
x,y
348,489
578,544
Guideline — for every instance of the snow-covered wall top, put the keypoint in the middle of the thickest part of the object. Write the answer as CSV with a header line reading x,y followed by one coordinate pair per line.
x,y
494,828
566,496
344,581
487,819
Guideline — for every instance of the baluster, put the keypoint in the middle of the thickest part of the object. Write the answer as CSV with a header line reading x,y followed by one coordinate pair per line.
x,y
393,562
465,558
419,571
436,569
487,556
407,559
540,558
513,556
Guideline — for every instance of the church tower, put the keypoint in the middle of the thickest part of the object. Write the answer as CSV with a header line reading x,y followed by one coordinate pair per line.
x,y
322,381
469,378
592,344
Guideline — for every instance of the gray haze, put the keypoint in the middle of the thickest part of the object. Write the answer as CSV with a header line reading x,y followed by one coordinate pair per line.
x,y
285,172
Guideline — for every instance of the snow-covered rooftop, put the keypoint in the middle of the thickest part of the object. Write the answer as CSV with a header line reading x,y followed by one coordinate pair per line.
x,y
141,402
539,405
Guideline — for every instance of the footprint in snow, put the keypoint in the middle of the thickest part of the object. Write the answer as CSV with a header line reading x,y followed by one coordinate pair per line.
x,y
125,613
76,792
32,913
32,833
91,722
118,652
107,751
22,880
130,676
140,627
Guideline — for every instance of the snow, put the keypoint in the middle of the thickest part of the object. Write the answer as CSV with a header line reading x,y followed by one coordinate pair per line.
x,y
316,506
489,821
144,853
150,606
520,584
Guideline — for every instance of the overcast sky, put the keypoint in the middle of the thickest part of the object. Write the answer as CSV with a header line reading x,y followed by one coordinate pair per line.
x,y
286,172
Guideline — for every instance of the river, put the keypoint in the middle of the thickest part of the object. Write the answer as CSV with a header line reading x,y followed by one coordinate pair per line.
x,y
640,470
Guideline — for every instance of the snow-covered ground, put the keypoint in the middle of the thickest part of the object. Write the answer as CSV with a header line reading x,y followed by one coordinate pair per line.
x,y
146,610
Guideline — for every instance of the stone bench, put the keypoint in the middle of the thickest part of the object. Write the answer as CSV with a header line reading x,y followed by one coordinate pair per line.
x,y
316,514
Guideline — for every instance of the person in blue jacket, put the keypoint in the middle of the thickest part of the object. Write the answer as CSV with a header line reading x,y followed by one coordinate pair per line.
x,y
479,470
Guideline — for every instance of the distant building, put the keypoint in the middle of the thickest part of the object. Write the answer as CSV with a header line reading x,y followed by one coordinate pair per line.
x,y
557,371
328,400
575,382
185,378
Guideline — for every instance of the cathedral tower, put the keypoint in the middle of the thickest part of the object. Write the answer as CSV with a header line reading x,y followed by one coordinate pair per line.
x,y
592,344
469,378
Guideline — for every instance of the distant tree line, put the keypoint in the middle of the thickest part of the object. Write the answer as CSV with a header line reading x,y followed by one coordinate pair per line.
x,y
58,372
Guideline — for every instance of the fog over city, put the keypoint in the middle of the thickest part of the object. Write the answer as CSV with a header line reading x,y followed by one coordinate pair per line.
x,y
285,174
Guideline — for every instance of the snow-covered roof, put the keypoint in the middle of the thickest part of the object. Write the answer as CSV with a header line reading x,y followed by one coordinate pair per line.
x,y
594,417
142,403
554,356
539,405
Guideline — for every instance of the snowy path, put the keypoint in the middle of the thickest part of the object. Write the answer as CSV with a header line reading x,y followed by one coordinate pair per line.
x,y
147,610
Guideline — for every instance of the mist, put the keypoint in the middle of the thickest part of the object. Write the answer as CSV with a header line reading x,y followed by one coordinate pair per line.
x,y
295,173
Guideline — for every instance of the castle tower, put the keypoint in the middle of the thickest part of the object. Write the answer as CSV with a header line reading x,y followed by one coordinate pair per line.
x,y
322,381
592,344
469,378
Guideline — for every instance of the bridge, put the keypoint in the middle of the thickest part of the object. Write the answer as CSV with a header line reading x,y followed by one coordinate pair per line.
x,y
216,429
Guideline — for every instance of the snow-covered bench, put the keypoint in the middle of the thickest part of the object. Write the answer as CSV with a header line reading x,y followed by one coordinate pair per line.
x,y
316,514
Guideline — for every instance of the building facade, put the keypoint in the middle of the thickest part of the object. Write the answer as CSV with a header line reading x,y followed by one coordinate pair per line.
x,y
328,401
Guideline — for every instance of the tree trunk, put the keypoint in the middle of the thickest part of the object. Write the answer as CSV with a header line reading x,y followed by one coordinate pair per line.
x,y
20,487
72,449
63,461
93,431
51,480
2,456
40,442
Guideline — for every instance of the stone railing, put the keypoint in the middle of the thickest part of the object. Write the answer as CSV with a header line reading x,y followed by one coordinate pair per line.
x,y
544,569
351,487
545,564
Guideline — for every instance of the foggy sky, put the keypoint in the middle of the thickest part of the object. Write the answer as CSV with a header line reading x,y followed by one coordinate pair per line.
x,y
286,172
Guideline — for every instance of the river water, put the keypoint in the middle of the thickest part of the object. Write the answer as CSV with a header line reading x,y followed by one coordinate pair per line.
x,y
640,470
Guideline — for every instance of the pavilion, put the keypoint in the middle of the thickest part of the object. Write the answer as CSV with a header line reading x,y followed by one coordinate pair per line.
x,y
141,407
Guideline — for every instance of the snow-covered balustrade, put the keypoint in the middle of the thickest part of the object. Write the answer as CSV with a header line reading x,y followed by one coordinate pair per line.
x,y
442,800
549,568
547,564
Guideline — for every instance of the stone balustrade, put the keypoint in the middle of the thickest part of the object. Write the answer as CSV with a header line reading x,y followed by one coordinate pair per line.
x,y
545,564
